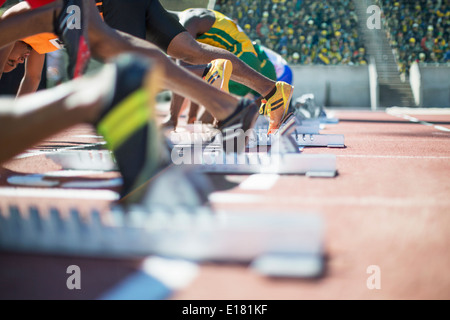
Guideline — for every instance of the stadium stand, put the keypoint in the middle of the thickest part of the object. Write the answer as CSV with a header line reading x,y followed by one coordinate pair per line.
x,y
302,31
418,31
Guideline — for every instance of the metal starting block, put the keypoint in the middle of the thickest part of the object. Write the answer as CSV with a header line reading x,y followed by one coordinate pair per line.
x,y
306,140
84,160
299,139
303,136
313,165
190,134
303,126
200,235
211,160
306,107
328,120
284,157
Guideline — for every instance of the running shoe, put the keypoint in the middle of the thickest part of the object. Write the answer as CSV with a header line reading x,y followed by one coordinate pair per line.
x,y
129,127
235,129
276,107
71,27
219,73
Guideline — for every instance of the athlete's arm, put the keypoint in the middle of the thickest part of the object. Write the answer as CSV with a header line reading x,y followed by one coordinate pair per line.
x,y
33,72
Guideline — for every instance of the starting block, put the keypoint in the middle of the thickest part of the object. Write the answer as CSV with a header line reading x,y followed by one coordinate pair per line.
x,y
102,160
200,235
176,187
320,165
284,157
211,160
304,126
305,107
280,155
304,132
300,139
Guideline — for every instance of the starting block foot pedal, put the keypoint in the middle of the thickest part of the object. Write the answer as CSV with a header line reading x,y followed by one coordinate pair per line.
x,y
320,140
177,186
289,135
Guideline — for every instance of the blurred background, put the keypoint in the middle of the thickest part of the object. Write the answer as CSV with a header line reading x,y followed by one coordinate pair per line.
x,y
356,54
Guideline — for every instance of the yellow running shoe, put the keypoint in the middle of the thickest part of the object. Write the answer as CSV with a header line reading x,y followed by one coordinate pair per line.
x,y
277,106
219,74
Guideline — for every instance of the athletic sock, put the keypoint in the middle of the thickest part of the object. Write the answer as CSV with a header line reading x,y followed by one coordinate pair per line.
x,y
274,90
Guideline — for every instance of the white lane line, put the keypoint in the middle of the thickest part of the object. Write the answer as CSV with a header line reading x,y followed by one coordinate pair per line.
x,y
375,201
393,157
397,113
72,173
88,136
260,182
223,197
60,193
442,128
372,201
419,111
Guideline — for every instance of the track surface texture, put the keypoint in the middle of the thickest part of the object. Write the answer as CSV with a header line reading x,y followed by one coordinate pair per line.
x,y
388,207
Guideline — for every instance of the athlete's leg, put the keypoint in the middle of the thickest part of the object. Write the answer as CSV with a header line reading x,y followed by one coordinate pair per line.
x,y
176,105
186,48
183,46
106,43
178,102
253,62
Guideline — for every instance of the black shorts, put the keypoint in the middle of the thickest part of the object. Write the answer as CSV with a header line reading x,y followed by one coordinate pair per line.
x,y
145,19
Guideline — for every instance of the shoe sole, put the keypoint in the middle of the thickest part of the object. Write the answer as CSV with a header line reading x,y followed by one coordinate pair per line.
x,y
250,118
150,83
227,71
289,100
285,111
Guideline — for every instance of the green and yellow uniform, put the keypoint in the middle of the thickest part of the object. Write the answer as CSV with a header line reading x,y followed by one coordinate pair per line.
x,y
226,34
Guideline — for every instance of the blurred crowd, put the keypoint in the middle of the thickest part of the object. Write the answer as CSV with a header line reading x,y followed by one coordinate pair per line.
x,y
302,31
418,30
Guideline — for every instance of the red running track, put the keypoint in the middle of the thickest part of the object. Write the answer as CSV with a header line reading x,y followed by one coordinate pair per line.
x,y
389,207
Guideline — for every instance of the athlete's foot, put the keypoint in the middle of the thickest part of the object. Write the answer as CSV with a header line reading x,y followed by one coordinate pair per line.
x,y
234,129
170,123
277,105
207,118
191,120
218,73
128,125
72,31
